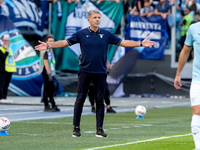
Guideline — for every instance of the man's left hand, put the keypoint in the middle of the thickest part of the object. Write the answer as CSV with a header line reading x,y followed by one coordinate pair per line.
x,y
147,43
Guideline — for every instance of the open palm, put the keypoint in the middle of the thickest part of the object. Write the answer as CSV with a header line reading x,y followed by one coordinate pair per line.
x,y
147,43
41,46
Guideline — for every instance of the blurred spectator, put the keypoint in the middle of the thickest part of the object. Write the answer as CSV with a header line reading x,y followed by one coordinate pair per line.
x,y
54,1
147,10
127,7
140,5
134,10
196,18
198,6
38,4
185,23
1,10
154,3
163,9
59,8
47,69
92,99
191,5
99,1
177,4
7,67
183,6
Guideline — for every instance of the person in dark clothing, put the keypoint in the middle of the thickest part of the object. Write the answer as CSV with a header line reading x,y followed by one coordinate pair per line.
x,y
91,94
94,45
163,9
7,67
47,68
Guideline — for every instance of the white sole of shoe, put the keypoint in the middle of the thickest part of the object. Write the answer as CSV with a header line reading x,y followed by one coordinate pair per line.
x,y
100,136
75,136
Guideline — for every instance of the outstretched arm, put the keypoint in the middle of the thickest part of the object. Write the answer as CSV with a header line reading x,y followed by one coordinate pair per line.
x,y
181,63
43,46
129,43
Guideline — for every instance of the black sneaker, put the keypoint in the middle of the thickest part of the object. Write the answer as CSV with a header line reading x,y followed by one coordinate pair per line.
x,y
76,132
100,133
93,109
110,110
49,109
56,108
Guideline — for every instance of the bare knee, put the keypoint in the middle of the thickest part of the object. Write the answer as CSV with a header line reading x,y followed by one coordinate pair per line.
x,y
196,110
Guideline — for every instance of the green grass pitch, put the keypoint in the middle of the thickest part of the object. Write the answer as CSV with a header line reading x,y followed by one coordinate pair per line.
x,y
156,132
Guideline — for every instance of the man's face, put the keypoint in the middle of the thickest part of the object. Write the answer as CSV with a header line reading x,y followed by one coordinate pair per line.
x,y
186,11
146,4
95,20
1,1
50,40
5,42
162,1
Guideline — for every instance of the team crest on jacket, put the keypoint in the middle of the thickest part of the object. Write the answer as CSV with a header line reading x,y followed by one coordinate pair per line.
x,y
101,35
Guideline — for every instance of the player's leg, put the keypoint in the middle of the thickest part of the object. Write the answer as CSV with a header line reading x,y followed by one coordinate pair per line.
x,y
195,102
51,94
107,100
91,95
7,82
99,86
2,81
84,80
47,108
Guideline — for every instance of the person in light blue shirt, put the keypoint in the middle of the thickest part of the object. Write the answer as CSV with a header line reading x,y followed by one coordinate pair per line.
x,y
147,10
192,40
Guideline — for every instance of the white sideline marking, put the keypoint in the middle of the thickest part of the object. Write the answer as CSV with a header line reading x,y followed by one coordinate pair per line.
x,y
27,134
149,140
114,128
48,123
125,127
90,132
30,112
47,117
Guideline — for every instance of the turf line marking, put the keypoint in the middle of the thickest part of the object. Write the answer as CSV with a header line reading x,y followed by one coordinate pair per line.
x,y
27,134
148,140
48,123
47,117
31,112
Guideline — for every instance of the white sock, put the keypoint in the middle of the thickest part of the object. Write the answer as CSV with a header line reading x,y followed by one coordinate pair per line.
x,y
195,126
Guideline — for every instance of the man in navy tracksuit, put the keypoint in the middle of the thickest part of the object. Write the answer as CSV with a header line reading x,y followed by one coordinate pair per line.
x,y
94,44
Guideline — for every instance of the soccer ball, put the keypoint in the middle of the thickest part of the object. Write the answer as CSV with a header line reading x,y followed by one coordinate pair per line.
x,y
140,110
4,124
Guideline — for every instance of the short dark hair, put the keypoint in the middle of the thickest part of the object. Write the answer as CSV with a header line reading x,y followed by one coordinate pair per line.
x,y
48,37
93,12
146,0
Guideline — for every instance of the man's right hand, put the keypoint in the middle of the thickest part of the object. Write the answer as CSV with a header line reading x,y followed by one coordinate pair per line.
x,y
177,82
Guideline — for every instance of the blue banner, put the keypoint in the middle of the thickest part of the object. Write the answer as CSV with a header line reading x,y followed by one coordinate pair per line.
x,y
26,81
25,13
138,28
